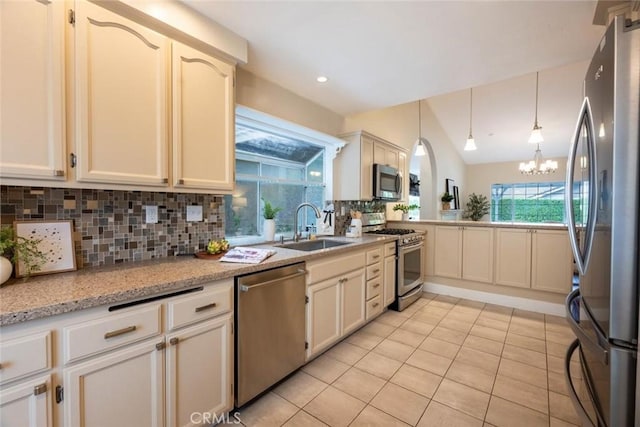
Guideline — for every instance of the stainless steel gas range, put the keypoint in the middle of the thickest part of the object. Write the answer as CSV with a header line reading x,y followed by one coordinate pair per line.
x,y
409,255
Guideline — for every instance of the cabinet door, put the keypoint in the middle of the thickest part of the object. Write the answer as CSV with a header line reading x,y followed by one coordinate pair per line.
x,y
122,388
353,300
385,155
551,261
366,169
203,121
389,294
27,404
323,315
121,99
448,251
32,86
477,254
513,257
429,250
197,384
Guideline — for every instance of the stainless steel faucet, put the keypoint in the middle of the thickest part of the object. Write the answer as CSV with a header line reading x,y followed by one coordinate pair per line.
x,y
296,235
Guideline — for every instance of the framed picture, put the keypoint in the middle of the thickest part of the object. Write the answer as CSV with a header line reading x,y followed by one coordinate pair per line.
x,y
56,242
456,198
448,185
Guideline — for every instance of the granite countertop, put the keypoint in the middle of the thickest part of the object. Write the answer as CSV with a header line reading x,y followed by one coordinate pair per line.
x,y
532,225
49,295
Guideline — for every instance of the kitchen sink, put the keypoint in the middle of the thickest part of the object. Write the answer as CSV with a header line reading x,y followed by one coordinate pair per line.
x,y
313,245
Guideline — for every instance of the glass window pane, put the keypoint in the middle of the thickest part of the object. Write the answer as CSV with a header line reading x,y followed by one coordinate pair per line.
x,y
287,197
241,210
247,167
315,170
281,172
528,202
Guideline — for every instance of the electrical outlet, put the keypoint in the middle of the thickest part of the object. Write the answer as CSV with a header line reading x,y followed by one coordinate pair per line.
x,y
151,216
194,213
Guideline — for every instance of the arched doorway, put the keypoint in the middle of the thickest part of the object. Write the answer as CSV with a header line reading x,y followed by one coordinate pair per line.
x,y
425,168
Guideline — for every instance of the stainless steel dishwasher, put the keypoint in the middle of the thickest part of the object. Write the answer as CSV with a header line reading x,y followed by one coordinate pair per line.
x,y
270,328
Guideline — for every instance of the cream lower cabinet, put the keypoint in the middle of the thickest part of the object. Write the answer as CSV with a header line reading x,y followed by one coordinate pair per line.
x,y
25,382
464,253
532,258
199,352
125,387
336,292
27,403
389,280
32,113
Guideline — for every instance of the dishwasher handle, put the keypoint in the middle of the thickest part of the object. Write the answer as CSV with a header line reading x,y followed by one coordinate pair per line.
x,y
247,288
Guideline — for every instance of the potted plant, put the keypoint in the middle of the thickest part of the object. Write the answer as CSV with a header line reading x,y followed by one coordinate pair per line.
x,y
446,199
405,210
477,207
14,248
269,212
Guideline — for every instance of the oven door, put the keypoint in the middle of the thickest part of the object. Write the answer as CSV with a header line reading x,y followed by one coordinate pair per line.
x,y
409,267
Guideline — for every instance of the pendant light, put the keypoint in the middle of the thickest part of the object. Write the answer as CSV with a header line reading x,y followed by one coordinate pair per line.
x,y
470,145
536,133
420,151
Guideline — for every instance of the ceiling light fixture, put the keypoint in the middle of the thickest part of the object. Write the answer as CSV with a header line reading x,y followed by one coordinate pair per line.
x,y
322,79
538,166
536,133
420,151
470,145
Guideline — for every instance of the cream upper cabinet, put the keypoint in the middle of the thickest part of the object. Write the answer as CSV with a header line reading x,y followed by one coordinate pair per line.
x,y
513,257
551,261
464,253
353,166
121,99
203,120
32,131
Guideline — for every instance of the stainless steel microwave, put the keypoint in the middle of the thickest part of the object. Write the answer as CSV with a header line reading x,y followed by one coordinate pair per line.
x,y
387,183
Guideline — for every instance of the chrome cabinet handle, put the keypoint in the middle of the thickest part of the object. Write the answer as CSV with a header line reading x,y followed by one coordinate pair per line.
x,y
376,285
376,256
206,307
118,332
39,389
377,270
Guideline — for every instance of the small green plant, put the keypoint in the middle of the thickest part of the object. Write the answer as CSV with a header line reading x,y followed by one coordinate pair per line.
x,y
16,248
446,197
270,212
477,207
405,208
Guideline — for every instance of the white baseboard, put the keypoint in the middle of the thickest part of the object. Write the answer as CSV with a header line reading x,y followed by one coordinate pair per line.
x,y
504,300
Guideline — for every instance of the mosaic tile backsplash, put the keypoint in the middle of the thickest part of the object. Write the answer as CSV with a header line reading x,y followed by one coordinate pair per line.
x,y
110,225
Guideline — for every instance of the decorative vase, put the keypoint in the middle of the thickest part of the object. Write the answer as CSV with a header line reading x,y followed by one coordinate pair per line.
x,y
6,268
446,206
269,230
405,216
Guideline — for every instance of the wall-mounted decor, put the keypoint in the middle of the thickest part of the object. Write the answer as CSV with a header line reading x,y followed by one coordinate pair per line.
x,y
456,198
56,243
448,185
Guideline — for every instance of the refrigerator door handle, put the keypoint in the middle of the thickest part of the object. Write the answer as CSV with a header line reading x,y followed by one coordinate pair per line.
x,y
585,340
585,117
573,394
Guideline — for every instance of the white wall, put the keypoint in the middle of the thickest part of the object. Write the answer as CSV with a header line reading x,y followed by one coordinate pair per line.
x,y
399,125
262,95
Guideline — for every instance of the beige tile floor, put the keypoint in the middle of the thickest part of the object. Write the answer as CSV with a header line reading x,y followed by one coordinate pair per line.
x,y
442,362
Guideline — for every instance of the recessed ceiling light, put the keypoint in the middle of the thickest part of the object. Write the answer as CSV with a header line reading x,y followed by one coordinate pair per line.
x,y
322,79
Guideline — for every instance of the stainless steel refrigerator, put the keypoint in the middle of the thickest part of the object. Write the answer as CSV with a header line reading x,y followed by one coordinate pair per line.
x,y
602,204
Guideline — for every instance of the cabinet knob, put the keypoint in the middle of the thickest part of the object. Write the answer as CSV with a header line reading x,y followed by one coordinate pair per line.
x,y
161,346
39,389
174,341
376,285
58,172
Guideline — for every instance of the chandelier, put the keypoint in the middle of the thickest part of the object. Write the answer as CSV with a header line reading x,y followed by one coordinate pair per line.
x,y
538,166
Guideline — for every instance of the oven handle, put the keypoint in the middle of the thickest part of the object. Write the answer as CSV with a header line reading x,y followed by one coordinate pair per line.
x,y
411,247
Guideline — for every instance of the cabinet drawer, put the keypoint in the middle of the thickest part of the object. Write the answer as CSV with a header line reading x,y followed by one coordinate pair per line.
x,y
374,270
374,287
203,305
374,307
24,356
374,255
334,266
106,333
390,249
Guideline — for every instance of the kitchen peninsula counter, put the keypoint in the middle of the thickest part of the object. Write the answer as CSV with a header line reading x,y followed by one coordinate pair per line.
x,y
43,296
